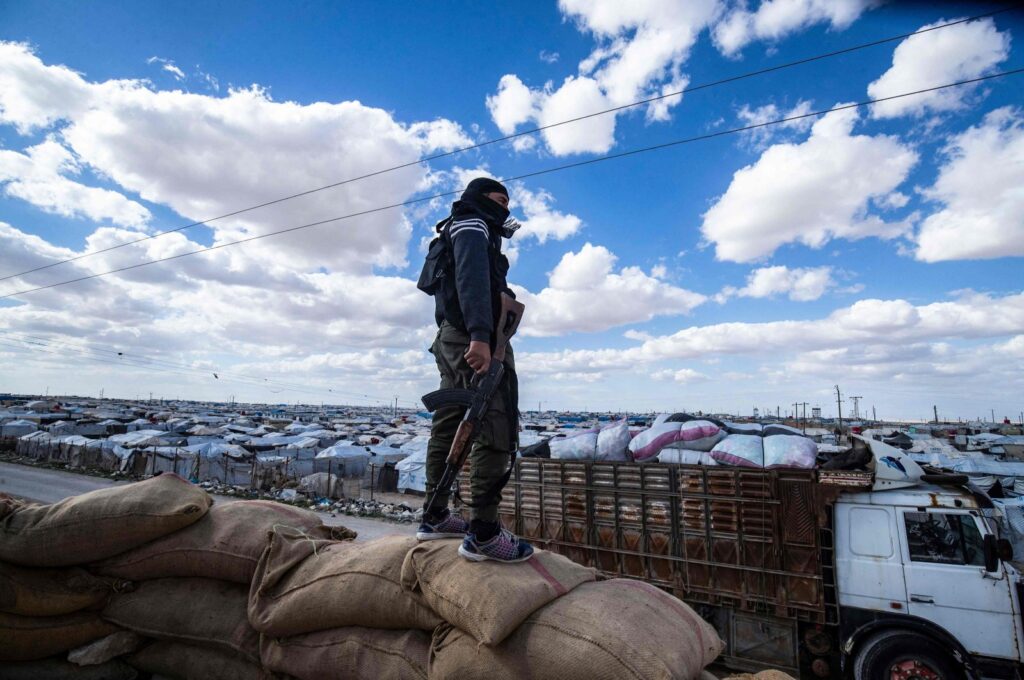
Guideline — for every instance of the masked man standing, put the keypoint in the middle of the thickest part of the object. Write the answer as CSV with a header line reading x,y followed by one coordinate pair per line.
x,y
467,305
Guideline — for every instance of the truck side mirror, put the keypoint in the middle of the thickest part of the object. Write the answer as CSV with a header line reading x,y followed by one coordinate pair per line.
x,y
991,553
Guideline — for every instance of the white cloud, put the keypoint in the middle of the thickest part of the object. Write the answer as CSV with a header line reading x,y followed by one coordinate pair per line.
x,y
548,57
169,66
893,323
959,52
810,192
641,48
800,284
775,19
206,155
760,137
32,94
39,176
682,376
982,214
584,294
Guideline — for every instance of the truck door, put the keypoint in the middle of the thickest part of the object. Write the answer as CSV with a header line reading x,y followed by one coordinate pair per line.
x,y
943,564
868,561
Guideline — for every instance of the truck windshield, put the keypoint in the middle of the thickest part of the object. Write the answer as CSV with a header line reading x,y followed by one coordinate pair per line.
x,y
944,538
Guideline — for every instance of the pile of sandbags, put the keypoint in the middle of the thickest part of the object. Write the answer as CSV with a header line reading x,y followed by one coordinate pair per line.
x,y
252,589
48,603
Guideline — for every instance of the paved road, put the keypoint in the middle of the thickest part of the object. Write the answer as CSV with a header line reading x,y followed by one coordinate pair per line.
x,y
48,486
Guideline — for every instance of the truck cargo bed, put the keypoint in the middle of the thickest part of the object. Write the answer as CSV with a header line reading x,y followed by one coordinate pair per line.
x,y
747,539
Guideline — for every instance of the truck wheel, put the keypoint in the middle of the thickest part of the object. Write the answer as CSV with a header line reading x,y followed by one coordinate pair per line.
x,y
898,655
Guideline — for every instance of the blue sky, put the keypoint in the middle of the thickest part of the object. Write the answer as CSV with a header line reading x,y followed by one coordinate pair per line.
x,y
879,250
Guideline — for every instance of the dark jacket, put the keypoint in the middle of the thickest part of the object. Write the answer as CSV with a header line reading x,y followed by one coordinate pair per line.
x,y
471,295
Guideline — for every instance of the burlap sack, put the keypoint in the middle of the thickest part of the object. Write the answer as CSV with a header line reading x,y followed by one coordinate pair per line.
x,y
226,544
100,524
488,600
194,610
178,660
350,653
302,586
26,638
106,648
49,592
59,669
611,630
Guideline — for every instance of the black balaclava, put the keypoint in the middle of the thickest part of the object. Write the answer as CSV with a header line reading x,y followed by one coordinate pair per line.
x,y
474,200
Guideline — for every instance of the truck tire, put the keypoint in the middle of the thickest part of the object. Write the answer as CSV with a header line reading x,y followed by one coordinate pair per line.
x,y
900,655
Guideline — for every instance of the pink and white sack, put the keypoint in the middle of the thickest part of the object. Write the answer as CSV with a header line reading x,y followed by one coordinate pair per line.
x,y
789,451
582,446
694,435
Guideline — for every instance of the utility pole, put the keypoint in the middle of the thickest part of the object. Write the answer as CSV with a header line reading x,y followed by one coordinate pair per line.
x,y
935,410
856,407
776,412
839,406
804,404
795,409
993,415
874,417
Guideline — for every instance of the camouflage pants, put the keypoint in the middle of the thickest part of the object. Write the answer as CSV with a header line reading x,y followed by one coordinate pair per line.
x,y
489,457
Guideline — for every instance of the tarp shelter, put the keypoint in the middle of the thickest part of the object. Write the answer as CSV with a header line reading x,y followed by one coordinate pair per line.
x,y
17,428
344,461
412,470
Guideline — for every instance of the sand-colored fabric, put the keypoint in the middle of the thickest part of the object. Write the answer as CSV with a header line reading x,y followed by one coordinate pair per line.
x,y
350,653
191,662
488,600
106,648
192,610
226,544
303,586
610,630
59,669
27,638
100,524
48,592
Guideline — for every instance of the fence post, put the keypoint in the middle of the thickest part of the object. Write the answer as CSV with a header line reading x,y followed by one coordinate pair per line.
x,y
373,481
330,484
252,472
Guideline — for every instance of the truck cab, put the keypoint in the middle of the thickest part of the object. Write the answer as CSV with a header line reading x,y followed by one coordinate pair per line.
x,y
925,588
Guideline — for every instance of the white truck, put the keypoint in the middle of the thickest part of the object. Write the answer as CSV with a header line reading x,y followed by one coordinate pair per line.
x,y
887,573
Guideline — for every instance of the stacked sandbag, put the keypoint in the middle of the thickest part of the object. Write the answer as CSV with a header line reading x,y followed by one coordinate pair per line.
x,y
59,669
48,603
488,600
691,435
599,631
226,544
303,586
179,660
335,609
100,524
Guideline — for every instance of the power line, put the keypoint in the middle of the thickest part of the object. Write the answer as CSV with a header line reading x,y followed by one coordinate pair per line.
x,y
120,358
531,131
557,168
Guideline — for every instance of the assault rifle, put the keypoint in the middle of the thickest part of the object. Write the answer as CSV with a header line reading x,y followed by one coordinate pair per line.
x,y
476,399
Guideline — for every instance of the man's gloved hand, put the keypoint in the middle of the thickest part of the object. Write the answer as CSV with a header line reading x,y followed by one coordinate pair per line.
x,y
478,356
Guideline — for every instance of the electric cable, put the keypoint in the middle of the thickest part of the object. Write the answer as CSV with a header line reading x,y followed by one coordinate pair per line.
x,y
531,131
537,173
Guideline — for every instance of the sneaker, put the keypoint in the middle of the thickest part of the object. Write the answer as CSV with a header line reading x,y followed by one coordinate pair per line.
x,y
452,526
504,547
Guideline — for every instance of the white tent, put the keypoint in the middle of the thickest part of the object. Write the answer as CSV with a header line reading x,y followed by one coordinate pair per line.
x,y
17,428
